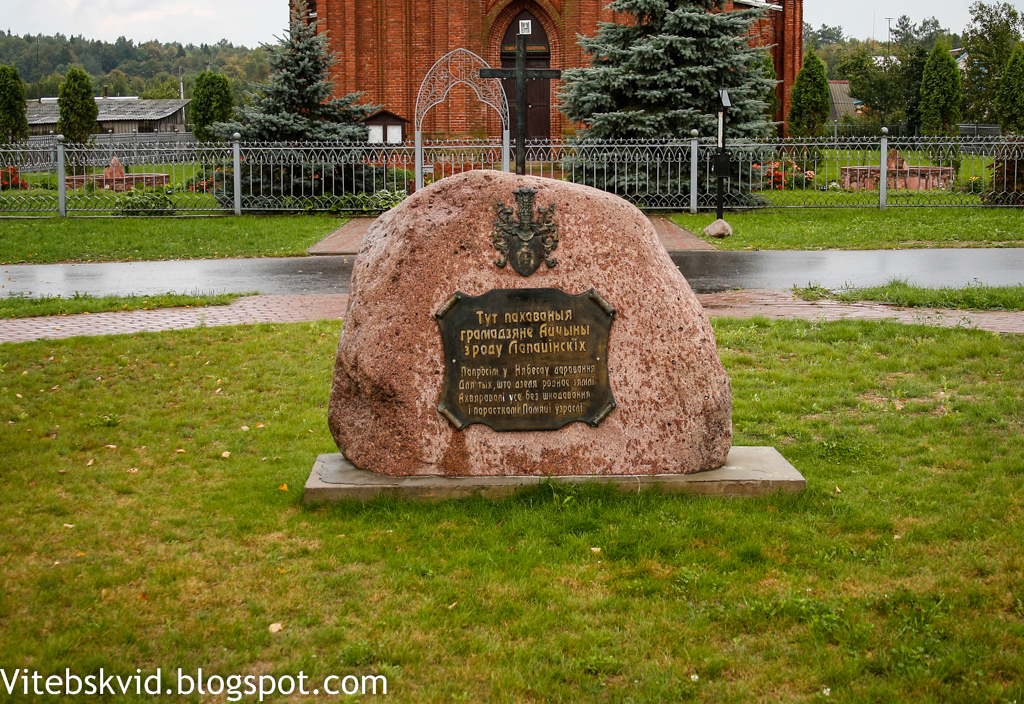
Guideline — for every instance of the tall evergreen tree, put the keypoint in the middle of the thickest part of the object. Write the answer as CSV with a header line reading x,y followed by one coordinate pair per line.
x,y
211,102
1010,101
771,98
659,76
940,93
78,109
909,73
809,104
13,123
294,103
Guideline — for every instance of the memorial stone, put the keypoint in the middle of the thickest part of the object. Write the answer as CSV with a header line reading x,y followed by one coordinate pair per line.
x,y
503,325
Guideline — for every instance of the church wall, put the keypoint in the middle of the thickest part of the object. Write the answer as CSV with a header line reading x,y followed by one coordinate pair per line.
x,y
386,47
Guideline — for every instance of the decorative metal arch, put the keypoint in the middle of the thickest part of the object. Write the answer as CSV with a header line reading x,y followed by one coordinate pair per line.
x,y
455,67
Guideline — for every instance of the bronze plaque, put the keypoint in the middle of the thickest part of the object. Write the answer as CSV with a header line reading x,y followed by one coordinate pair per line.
x,y
525,359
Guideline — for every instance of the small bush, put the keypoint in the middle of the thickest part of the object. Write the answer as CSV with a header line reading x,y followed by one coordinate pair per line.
x,y
1007,175
348,202
974,185
204,183
145,201
780,176
49,182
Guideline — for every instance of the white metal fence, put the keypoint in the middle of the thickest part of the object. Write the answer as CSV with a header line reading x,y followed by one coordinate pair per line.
x,y
141,176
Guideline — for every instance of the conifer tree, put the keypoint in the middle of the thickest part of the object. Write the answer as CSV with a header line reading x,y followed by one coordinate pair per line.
x,y
659,76
1010,100
809,102
771,98
294,103
940,93
211,102
909,73
78,109
13,123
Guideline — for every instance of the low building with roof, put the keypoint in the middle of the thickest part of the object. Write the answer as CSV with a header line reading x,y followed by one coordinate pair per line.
x,y
840,101
117,115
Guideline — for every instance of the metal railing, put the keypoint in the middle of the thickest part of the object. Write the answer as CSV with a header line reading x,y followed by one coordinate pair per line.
x,y
139,176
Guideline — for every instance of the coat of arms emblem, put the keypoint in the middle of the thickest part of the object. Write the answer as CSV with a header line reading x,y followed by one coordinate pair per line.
x,y
525,242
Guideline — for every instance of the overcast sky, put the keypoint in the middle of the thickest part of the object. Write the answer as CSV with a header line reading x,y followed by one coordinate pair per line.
x,y
863,19
250,22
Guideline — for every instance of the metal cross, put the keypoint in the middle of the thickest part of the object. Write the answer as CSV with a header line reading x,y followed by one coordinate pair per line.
x,y
521,74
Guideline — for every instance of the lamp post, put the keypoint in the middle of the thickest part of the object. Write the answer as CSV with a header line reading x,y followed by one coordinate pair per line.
x,y
722,166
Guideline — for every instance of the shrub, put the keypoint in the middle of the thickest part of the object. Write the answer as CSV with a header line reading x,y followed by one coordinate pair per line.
x,y
348,202
206,183
1007,175
780,176
145,201
973,185
276,188
47,182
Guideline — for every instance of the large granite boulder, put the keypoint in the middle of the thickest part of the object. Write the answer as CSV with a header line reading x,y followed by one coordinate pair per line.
x,y
673,410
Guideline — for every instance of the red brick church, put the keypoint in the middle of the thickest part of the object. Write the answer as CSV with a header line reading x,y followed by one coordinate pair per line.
x,y
386,47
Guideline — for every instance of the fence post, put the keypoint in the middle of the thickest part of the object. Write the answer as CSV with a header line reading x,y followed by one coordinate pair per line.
x,y
693,171
418,149
505,140
883,173
237,159
62,186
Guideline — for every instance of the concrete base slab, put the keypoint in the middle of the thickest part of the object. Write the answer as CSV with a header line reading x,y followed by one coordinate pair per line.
x,y
748,471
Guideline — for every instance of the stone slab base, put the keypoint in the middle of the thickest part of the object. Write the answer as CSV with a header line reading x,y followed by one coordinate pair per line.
x,y
748,471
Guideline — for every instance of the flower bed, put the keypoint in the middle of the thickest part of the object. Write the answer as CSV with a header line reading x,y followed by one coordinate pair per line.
x,y
10,179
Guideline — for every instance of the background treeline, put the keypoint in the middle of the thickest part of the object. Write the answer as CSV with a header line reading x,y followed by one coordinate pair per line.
x,y
148,70
885,76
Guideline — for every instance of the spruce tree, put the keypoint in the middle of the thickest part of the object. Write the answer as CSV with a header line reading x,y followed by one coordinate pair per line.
x,y
809,103
13,123
211,102
940,93
658,76
78,109
1010,100
294,104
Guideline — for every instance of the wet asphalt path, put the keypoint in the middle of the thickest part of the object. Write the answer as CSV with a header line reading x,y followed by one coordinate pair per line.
x,y
293,275
707,272
711,272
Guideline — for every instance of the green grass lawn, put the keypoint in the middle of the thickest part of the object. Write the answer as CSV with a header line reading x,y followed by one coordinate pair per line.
x,y
894,228
899,292
133,541
22,307
48,240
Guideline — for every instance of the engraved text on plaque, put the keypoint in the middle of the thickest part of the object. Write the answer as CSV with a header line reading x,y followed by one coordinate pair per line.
x,y
525,359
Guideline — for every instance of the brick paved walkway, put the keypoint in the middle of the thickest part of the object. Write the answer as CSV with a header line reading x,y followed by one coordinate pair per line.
x,y
347,238
675,238
775,303
344,240
252,309
290,309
